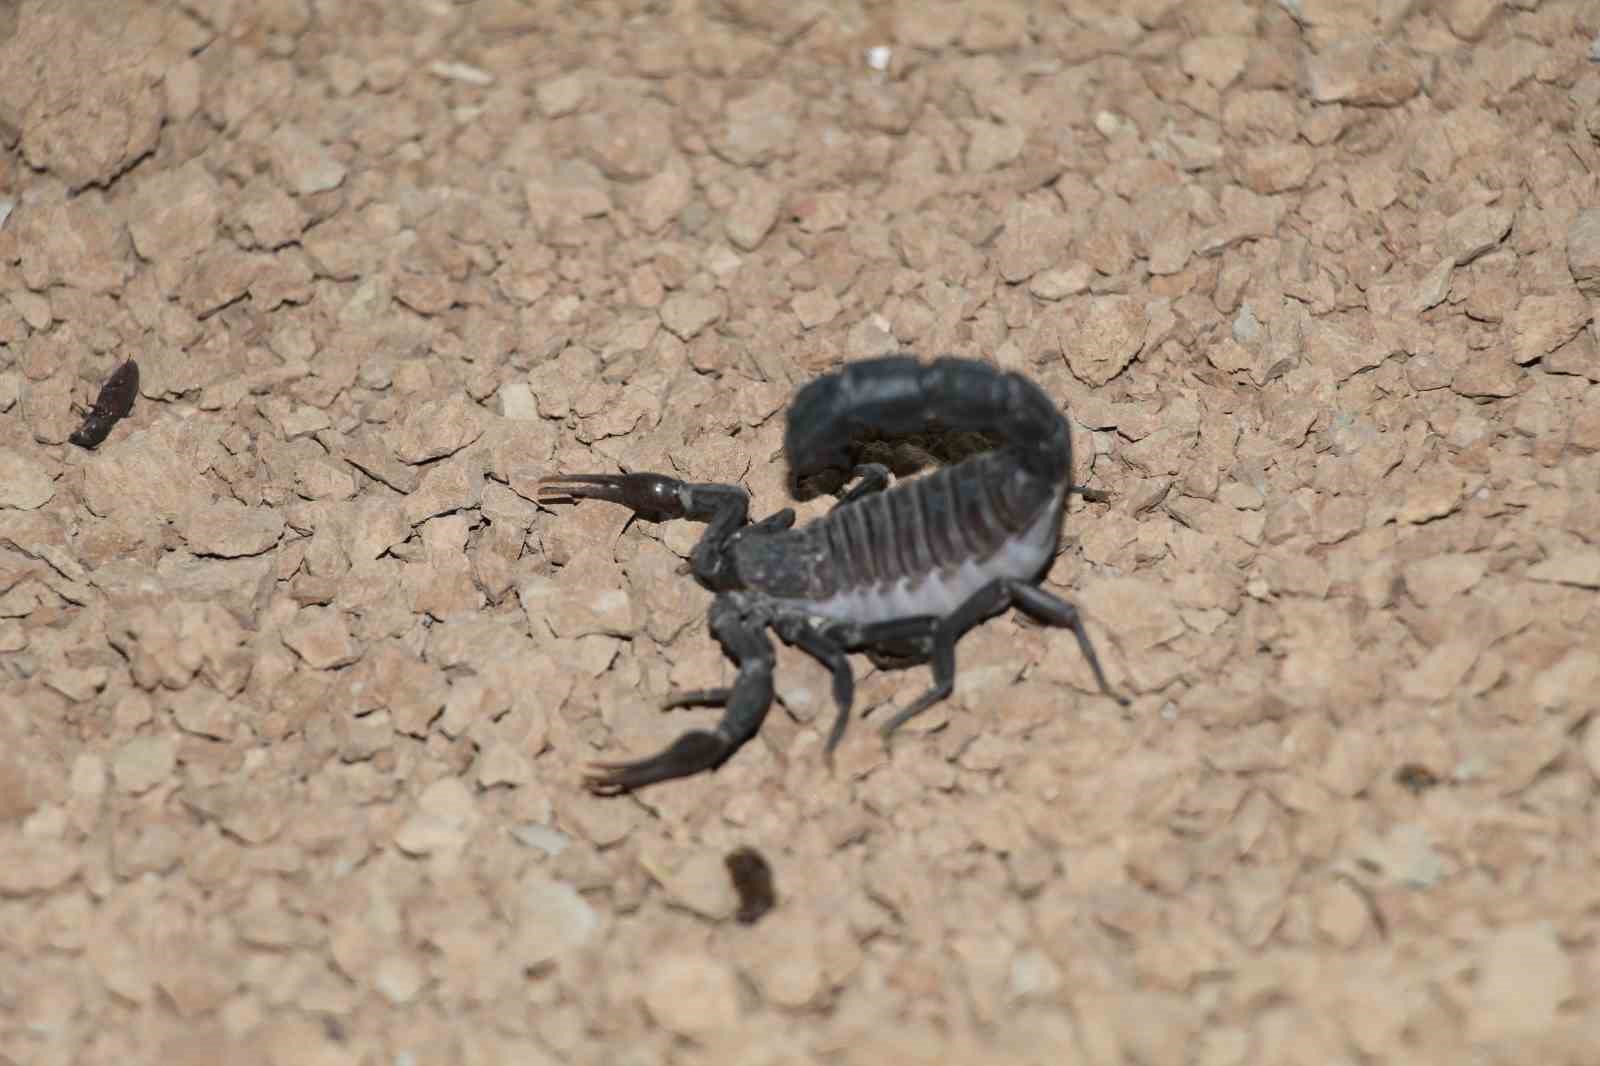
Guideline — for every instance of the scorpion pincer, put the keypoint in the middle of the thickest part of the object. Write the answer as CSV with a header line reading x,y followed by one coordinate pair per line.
x,y
898,573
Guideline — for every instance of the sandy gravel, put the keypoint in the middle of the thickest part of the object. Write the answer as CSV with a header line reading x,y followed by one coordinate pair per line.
x,y
297,679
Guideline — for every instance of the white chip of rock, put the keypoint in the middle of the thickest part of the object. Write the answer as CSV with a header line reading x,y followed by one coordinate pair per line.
x,y
541,837
517,402
462,72
428,834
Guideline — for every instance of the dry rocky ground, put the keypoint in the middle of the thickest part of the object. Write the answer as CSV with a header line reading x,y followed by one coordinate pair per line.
x,y
296,680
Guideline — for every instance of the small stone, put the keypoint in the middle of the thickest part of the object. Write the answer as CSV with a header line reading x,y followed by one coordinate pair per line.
x,y
465,73
1110,333
1342,914
1583,250
1193,153
1034,238
586,597
663,197
1473,231
1216,59
552,919
1486,375
517,402
1362,72
398,978
753,214
1468,19
302,163
760,126
784,960
699,884
230,530
25,483
435,429
1579,566
1543,323
31,867
693,996
815,307
205,713
993,145
685,314
320,636
869,337
143,763
1061,282
1434,286
1440,672
268,216
427,834
561,96
1524,977
220,275
1432,494
502,764
174,214
82,129
1568,682
1275,168
1434,581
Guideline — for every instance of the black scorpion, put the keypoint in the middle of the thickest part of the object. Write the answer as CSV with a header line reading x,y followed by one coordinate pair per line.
x,y
899,573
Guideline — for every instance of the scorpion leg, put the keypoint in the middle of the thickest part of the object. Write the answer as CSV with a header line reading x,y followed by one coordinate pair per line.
x,y
874,477
991,599
1053,610
776,522
742,635
827,649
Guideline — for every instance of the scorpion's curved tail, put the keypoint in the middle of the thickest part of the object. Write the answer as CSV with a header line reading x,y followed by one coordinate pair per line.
x,y
899,394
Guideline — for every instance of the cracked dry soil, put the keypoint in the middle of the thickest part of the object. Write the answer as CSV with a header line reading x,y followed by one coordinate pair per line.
x,y
296,680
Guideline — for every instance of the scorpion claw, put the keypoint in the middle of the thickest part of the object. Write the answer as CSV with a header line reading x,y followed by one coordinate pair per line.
x,y
651,496
688,755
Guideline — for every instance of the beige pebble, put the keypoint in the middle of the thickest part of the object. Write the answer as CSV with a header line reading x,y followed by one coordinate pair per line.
x,y
694,996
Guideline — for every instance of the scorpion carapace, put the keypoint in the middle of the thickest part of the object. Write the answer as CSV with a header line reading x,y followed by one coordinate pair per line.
x,y
897,572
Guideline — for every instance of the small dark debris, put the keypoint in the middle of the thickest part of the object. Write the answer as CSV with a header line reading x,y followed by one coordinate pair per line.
x,y
1416,777
112,405
752,879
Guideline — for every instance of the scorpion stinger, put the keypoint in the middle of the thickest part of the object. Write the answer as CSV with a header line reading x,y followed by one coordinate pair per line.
x,y
898,572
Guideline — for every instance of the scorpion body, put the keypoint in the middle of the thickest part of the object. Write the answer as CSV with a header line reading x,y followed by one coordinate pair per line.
x,y
900,573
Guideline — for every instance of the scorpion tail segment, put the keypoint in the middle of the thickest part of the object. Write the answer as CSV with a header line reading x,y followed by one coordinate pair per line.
x,y
654,497
899,394
689,755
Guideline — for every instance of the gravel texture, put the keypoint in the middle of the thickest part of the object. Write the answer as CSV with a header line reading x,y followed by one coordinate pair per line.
x,y
296,680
